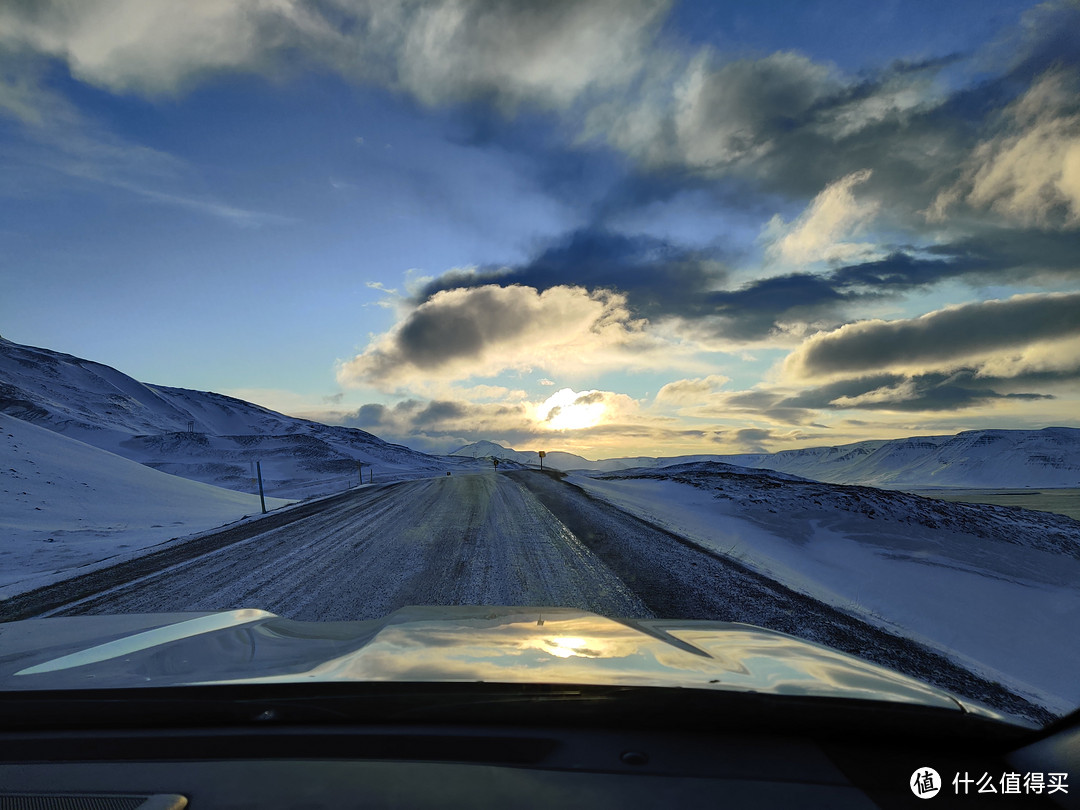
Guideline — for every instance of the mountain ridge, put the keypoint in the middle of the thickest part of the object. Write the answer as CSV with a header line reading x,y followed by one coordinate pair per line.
x,y
200,435
978,459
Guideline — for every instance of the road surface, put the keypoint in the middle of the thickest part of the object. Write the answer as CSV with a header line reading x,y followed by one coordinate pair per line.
x,y
515,538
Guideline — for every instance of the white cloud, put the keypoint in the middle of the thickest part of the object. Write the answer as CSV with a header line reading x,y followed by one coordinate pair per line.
x,y
448,50
692,391
482,331
1030,171
819,232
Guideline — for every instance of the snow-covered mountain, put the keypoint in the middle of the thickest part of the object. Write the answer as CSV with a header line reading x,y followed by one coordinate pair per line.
x,y
973,459
198,435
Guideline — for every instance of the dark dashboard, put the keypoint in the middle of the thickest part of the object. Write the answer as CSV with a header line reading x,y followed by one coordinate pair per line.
x,y
498,745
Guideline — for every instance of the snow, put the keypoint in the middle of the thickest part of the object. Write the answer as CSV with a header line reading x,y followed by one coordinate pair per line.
x,y
996,589
198,435
66,506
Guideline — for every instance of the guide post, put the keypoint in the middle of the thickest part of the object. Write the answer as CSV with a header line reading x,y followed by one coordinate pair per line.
x,y
262,498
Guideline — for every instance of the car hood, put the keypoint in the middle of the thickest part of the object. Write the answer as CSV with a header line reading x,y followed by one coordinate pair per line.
x,y
438,644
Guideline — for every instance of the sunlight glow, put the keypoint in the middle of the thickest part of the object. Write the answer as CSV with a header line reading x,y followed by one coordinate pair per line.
x,y
569,647
568,410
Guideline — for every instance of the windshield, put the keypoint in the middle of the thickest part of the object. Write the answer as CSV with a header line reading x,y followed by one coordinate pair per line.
x,y
746,335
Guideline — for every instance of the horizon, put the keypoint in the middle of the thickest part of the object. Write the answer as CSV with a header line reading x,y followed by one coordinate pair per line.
x,y
604,458
613,229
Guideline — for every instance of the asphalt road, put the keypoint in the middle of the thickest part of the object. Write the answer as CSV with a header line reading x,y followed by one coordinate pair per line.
x,y
454,540
515,538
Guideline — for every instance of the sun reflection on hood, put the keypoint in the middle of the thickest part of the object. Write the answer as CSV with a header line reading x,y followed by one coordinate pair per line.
x,y
437,645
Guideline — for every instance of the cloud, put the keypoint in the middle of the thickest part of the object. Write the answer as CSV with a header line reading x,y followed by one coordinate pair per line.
x,y
566,418
784,123
979,333
957,390
711,117
549,54
929,392
690,391
482,331
657,277
818,233
664,282
1029,172
750,440
154,46
660,281
567,409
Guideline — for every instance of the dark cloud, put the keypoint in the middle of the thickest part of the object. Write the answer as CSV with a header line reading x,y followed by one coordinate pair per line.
x,y
661,279
439,411
430,337
921,392
752,439
958,332
658,277
589,399
366,416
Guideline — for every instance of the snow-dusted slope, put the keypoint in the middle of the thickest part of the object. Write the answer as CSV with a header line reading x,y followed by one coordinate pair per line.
x,y
994,587
198,435
975,458
65,505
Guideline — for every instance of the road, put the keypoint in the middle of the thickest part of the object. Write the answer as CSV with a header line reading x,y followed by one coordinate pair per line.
x,y
454,540
515,538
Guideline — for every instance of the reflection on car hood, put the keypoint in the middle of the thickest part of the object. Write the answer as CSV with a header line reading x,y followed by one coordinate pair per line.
x,y
437,644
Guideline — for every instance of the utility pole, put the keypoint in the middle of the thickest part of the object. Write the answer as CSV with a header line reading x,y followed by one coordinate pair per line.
x,y
262,498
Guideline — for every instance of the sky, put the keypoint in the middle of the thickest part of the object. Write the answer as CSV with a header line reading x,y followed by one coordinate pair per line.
x,y
614,227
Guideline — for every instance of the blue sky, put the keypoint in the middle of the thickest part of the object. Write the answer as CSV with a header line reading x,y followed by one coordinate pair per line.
x,y
606,227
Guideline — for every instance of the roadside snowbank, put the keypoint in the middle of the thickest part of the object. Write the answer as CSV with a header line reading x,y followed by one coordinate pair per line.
x,y
1001,606
65,505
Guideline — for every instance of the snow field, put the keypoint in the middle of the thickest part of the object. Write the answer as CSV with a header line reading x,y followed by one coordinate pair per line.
x,y
1005,610
65,505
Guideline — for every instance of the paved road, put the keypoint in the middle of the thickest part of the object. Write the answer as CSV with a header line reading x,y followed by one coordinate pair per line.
x,y
455,540
517,538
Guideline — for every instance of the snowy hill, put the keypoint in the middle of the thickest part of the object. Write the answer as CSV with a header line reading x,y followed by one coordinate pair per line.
x,y
198,435
486,449
972,581
972,459
65,505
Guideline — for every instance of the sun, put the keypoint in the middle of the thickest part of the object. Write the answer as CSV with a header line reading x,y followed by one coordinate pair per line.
x,y
568,410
